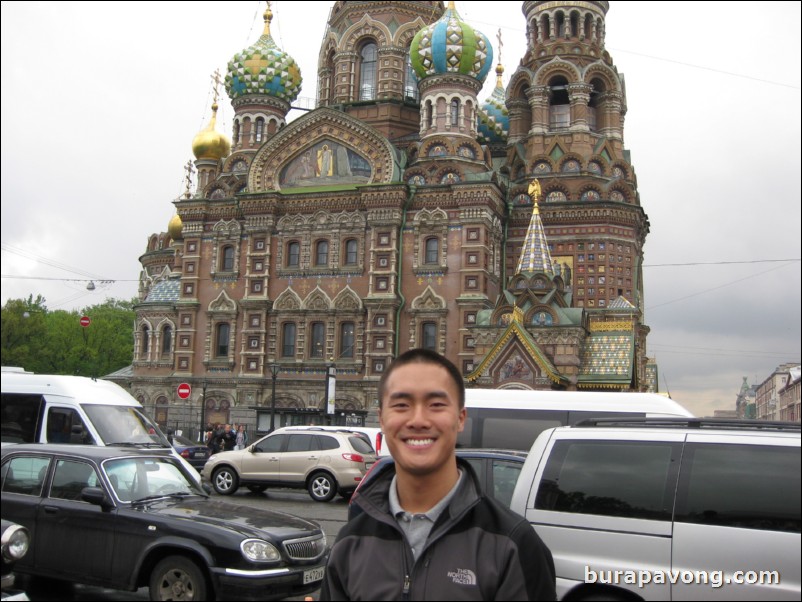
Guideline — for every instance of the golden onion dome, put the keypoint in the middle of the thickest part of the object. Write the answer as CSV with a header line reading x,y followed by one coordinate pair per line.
x,y
209,143
175,227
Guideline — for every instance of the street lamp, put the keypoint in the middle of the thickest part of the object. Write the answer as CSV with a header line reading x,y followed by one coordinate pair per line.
x,y
274,368
331,383
204,384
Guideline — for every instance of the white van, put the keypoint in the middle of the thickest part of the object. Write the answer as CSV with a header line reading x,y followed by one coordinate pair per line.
x,y
513,418
668,509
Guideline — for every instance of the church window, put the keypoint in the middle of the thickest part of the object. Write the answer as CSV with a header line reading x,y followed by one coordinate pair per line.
x,y
455,112
227,259
288,339
429,336
317,341
350,251
322,253
167,340
410,82
145,340
222,339
260,129
293,254
559,104
432,248
347,339
367,72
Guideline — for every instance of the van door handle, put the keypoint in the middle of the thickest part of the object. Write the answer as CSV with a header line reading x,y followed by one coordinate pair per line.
x,y
51,510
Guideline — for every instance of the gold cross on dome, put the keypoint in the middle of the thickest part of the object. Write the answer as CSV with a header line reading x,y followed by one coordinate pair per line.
x,y
217,80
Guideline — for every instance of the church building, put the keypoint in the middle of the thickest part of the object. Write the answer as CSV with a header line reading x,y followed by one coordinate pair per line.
x,y
403,211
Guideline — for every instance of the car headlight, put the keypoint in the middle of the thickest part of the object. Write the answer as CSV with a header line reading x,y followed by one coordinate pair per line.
x,y
15,542
258,550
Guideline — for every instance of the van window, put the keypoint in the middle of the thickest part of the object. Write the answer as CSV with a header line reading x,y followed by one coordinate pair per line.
x,y
301,443
124,424
627,479
64,425
21,416
507,428
746,486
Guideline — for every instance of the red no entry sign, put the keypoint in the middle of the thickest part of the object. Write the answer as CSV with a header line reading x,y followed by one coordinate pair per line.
x,y
184,390
85,321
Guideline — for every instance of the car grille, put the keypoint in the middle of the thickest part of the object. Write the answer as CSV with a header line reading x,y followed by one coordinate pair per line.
x,y
307,548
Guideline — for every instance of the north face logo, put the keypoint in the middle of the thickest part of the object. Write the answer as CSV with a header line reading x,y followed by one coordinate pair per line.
x,y
463,576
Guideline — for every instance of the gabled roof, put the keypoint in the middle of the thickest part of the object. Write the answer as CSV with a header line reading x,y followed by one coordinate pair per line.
x,y
516,331
166,291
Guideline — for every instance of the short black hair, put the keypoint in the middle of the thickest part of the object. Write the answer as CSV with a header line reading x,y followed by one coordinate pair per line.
x,y
424,356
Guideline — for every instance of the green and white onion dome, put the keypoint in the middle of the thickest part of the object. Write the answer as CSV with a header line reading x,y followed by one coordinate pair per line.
x,y
263,68
450,45
494,119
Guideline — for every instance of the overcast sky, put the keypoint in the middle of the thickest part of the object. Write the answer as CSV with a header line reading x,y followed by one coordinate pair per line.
x,y
101,101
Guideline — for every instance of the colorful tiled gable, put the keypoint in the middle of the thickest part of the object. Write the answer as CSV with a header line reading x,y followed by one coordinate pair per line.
x,y
164,291
607,359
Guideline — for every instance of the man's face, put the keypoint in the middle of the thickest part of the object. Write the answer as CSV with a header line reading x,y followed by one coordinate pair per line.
x,y
420,418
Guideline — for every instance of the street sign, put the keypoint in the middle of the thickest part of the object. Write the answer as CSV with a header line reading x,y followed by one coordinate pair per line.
x,y
184,390
85,321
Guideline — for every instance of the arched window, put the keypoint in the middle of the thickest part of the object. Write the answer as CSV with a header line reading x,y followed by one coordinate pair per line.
x,y
223,333
347,339
455,112
227,259
167,340
410,82
322,253
429,336
432,249
145,340
293,254
260,129
429,114
288,339
367,72
559,104
351,255
317,342
235,136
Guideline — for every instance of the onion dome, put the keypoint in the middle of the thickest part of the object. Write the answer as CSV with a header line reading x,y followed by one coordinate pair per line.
x,y
175,227
494,119
209,143
451,46
263,68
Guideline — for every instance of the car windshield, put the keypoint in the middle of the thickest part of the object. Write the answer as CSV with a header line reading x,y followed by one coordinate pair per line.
x,y
125,425
140,479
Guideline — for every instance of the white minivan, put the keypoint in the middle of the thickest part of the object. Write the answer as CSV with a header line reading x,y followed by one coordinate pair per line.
x,y
513,418
668,509
40,408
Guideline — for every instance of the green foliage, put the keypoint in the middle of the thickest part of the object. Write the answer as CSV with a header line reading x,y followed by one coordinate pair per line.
x,y
54,342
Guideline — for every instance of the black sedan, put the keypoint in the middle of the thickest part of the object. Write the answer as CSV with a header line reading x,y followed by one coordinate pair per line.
x,y
194,453
126,518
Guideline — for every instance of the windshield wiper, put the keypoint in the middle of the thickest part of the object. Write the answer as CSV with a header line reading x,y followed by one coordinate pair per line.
x,y
157,496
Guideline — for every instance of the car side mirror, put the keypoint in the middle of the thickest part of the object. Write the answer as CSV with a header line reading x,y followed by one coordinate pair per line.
x,y
96,496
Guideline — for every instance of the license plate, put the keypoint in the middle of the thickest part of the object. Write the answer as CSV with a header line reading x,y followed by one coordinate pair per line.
x,y
200,454
313,575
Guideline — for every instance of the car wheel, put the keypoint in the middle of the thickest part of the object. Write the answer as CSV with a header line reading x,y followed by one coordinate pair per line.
x,y
225,481
178,578
257,488
322,487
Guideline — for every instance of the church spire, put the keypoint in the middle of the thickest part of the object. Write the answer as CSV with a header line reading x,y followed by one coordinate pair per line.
x,y
535,256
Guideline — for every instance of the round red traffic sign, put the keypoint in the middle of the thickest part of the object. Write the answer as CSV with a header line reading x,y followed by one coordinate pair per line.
x,y
85,321
184,390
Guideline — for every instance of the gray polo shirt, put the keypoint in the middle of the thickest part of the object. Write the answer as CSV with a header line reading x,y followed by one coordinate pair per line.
x,y
416,527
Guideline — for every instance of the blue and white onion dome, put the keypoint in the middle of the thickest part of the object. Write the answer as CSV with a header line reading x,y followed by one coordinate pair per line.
x,y
263,68
494,118
450,45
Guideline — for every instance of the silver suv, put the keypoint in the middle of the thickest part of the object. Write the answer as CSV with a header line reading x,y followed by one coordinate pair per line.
x,y
674,509
323,463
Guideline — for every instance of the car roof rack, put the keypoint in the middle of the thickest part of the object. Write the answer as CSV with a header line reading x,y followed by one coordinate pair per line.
x,y
693,423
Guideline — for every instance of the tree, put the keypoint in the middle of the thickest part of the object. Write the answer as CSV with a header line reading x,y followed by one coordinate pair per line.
x,y
54,342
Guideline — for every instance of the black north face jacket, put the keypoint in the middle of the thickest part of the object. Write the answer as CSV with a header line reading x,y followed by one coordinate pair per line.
x,y
477,550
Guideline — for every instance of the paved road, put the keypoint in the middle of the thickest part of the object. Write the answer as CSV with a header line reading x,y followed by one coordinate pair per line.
x,y
331,516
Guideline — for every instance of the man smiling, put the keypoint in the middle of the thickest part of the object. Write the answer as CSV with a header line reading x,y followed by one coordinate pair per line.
x,y
427,531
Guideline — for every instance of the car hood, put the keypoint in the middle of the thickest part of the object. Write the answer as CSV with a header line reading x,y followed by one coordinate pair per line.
x,y
243,519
